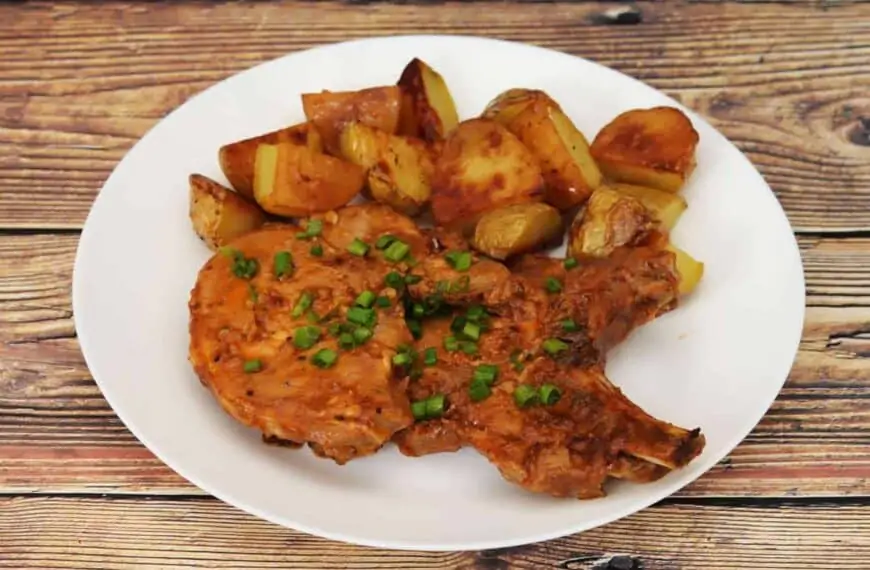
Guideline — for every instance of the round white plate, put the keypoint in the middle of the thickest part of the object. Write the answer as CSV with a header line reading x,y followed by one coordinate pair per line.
x,y
717,362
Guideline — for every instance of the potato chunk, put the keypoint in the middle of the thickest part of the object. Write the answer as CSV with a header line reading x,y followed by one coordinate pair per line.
x,y
609,220
428,109
218,214
665,207
237,159
398,169
482,167
690,269
377,107
292,180
508,104
518,228
650,147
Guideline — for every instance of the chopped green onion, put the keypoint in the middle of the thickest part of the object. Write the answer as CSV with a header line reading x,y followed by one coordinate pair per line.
x,y
283,264
418,409
384,241
516,360
312,229
402,359
479,390
397,251
324,358
316,250
415,327
435,406
252,366
430,356
461,285
358,247
361,335
459,260
475,313
244,267
568,325
415,374
252,293
312,317
383,302
361,316
554,346
525,395
366,299
451,344
486,373
303,304
395,280
442,286
553,285
549,394
471,330
570,263
334,329
345,341
468,347
413,279
458,323
418,310
306,337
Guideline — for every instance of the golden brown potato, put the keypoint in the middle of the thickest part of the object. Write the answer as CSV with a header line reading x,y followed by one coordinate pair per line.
x,y
690,269
482,167
292,180
650,147
665,207
608,221
508,104
518,228
428,109
218,214
376,107
569,171
399,169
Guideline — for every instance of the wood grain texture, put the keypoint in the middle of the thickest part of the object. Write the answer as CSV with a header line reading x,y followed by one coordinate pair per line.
x,y
790,84
114,534
58,434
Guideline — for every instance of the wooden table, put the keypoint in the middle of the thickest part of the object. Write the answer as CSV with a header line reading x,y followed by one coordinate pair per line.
x,y
789,83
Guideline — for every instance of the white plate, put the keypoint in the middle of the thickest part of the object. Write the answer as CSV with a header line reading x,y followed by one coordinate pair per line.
x,y
717,362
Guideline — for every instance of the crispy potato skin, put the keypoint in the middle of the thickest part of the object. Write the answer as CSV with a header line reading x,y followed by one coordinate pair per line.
x,y
377,107
398,169
218,214
515,229
299,182
665,207
508,104
428,110
237,159
609,220
650,147
482,166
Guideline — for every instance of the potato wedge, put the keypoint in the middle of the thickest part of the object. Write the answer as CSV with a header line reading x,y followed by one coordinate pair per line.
x,y
237,159
377,107
518,228
482,167
665,207
650,147
398,169
292,180
218,214
508,104
428,109
690,269
563,152
608,221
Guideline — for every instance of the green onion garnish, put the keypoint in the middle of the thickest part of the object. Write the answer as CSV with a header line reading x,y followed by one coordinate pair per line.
x,y
435,406
324,358
306,337
244,267
458,323
471,330
252,293
358,247
312,229
475,313
303,304
553,285
316,250
416,328
333,329
459,260
397,251
461,285
525,395
549,394
385,241
383,302
283,264
252,366
570,263
418,409
468,347
395,280
451,344
418,310
486,373
479,390
345,341
402,359
430,356
361,316
554,346
568,325
361,335
365,299
413,279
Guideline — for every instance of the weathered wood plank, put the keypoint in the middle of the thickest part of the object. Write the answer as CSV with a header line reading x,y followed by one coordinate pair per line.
x,y
58,434
788,83
111,533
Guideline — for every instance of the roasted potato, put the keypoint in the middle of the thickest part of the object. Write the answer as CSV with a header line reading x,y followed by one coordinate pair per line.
x,y
482,167
218,214
665,207
690,269
377,107
650,147
398,169
569,171
428,110
508,104
514,229
237,159
608,221
292,180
